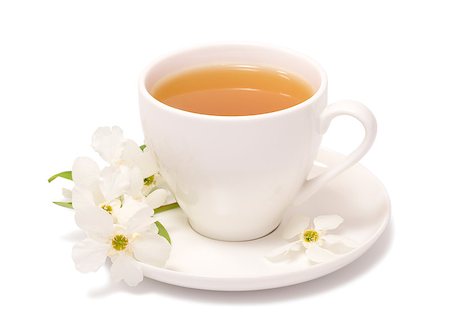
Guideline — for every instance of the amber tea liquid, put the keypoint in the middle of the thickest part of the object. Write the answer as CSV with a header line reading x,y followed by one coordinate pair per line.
x,y
232,90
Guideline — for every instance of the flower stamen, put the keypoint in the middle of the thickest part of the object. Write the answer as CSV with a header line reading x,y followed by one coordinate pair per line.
x,y
119,242
310,235
107,208
149,180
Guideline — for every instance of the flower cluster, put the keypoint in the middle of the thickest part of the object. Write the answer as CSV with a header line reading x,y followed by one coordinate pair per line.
x,y
312,236
115,207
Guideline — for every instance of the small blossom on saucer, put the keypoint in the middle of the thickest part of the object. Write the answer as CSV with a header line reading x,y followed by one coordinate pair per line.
x,y
313,237
127,244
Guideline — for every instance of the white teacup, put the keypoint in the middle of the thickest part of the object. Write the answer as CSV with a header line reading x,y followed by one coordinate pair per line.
x,y
234,176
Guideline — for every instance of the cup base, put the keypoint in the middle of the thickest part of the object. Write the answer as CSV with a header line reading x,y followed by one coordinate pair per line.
x,y
231,240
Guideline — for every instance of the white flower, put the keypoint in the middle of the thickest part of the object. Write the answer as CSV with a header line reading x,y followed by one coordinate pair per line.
x,y
313,238
118,151
109,190
126,244
124,155
91,190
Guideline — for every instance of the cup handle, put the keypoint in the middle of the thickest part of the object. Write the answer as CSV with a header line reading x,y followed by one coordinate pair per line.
x,y
363,115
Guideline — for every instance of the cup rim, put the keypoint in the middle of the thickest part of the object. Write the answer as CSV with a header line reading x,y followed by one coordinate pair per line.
x,y
180,112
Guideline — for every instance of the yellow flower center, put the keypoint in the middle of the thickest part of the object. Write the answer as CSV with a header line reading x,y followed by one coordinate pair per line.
x,y
149,180
107,208
310,235
119,242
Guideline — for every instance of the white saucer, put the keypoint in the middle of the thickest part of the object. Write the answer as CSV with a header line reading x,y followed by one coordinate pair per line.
x,y
202,263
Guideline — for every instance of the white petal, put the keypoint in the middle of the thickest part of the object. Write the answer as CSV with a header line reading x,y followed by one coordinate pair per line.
x,y
294,226
150,249
157,198
82,198
144,160
296,246
115,181
115,204
140,221
127,269
318,254
336,239
85,172
130,206
108,143
67,194
148,163
136,179
153,229
131,152
327,222
95,220
280,253
89,255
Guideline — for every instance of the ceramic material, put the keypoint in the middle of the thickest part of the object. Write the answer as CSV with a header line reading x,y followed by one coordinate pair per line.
x,y
203,263
234,177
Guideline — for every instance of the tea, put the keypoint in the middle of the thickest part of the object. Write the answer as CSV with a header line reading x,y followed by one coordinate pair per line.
x,y
232,90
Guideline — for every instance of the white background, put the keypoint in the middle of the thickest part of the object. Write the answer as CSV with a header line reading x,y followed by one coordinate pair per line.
x,y
69,67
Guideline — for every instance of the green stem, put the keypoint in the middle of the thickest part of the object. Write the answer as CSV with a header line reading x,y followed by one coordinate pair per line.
x,y
166,207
